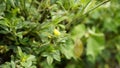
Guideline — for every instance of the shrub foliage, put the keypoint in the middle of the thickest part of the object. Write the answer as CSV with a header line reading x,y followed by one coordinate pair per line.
x,y
59,33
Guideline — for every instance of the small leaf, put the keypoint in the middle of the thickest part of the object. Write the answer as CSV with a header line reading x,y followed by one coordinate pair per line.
x,y
20,51
4,23
30,58
67,49
12,64
56,56
20,34
49,60
45,54
78,31
26,64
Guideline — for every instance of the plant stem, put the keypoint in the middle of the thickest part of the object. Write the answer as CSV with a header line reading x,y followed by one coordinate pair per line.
x,y
97,6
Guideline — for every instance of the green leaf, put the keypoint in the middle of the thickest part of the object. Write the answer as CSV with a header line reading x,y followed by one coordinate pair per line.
x,y
26,64
12,64
95,44
49,60
4,23
67,49
20,34
24,41
31,58
56,56
20,53
57,20
89,6
45,54
78,31
12,3
2,7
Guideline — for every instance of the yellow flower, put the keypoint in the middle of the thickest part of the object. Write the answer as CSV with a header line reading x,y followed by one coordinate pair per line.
x,y
56,32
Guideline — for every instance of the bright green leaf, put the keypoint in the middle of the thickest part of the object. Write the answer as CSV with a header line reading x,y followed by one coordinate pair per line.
x,y
49,60
78,31
95,44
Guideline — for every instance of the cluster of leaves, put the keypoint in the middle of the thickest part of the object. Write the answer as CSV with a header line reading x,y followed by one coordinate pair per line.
x,y
36,33
29,32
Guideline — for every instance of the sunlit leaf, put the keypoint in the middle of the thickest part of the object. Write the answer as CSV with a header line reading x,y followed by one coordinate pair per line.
x,y
49,60
20,51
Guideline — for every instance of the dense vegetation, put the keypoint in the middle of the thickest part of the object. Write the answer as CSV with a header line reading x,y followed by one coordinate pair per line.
x,y
59,34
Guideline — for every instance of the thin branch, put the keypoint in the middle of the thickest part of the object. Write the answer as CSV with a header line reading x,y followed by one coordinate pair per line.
x,y
97,6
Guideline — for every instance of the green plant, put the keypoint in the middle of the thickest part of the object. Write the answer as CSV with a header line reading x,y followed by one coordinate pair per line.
x,y
36,33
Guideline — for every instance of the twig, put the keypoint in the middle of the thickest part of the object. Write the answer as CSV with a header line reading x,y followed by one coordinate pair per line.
x,y
97,6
